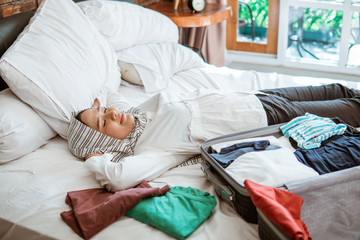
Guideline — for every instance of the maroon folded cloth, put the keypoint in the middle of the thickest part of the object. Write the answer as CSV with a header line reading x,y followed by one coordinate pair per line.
x,y
281,207
95,209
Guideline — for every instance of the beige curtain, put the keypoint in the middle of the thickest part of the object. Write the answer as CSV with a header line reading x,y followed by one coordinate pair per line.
x,y
215,40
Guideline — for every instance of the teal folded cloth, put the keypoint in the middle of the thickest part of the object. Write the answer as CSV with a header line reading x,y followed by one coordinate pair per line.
x,y
179,212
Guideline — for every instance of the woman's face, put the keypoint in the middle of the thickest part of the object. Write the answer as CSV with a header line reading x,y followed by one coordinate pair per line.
x,y
109,121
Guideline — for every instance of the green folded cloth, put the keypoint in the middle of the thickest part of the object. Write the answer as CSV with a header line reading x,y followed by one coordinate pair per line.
x,y
179,212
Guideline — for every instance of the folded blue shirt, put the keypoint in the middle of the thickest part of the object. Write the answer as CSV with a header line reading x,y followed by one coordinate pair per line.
x,y
229,154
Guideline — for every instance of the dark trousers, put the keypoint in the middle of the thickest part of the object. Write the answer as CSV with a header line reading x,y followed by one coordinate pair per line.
x,y
333,100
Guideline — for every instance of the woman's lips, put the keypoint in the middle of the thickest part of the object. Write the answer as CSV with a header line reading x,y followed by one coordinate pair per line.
x,y
121,118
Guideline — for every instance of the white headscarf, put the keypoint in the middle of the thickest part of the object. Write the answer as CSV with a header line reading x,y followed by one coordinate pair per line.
x,y
84,140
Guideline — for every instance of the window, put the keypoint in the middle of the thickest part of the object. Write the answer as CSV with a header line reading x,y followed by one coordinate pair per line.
x,y
253,26
320,34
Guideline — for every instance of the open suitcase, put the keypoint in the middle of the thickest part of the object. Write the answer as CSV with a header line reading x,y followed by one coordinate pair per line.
x,y
331,208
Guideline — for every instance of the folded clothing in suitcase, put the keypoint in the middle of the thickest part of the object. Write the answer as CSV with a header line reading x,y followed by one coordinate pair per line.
x,y
264,160
232,189
228,188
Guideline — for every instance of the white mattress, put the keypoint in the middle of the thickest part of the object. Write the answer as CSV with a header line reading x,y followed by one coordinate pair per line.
x,y
33,188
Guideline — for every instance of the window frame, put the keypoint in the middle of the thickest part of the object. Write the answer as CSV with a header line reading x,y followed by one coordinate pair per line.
x,y
272,32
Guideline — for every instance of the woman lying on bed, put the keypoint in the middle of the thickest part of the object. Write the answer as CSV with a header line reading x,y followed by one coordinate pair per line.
x,y
124,148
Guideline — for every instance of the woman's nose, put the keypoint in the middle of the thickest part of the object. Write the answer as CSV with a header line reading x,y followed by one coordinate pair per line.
x,y
111,113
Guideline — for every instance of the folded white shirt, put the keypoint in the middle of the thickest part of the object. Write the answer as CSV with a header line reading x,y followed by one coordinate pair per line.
x,y
269,167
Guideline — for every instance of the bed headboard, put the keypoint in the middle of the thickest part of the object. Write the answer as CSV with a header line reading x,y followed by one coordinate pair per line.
x,y
10,28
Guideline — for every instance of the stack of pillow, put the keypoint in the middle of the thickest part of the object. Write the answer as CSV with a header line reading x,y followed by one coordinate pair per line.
x,y
69,53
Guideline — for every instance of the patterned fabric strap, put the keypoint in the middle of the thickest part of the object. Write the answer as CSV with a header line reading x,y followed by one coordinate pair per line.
x,y
191,161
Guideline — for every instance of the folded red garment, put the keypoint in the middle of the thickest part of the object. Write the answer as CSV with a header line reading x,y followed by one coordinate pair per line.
x,y
95,209
281,207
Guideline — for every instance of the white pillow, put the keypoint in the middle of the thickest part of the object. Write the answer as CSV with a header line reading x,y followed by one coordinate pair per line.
x,y
59,63
125,24
21,129
156,63
129,73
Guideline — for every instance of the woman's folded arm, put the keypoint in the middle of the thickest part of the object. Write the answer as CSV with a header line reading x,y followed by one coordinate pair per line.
x,y
132,170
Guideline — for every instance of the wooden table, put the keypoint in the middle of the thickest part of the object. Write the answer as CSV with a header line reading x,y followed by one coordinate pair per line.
x,y
183,17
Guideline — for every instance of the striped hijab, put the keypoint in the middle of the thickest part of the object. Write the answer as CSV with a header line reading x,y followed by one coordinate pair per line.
x,y
84,140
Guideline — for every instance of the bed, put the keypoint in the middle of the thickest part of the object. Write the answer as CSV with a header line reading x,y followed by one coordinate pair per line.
x,y
91,40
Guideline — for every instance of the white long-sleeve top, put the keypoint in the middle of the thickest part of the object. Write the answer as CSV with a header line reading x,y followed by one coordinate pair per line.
x,y
178,124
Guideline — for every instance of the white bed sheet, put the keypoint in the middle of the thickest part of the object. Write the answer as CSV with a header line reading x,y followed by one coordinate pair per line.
x,y
226,78
33,187
33,196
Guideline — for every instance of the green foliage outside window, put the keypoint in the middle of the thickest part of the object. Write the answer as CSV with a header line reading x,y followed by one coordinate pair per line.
x,y
259,12
314,20
323,21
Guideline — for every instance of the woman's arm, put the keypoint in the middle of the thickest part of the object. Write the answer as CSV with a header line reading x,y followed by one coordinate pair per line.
x,y
131,170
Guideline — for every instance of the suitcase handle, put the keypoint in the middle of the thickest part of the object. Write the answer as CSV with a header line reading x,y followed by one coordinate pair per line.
x,y
225,191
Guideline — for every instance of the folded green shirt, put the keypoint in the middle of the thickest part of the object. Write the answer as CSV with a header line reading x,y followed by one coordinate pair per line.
x,y
179,212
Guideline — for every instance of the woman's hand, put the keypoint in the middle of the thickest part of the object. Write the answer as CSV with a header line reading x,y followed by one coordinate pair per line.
x,y
96,103
93,154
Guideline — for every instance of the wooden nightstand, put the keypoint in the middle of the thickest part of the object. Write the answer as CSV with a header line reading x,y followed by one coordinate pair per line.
x,y
184,18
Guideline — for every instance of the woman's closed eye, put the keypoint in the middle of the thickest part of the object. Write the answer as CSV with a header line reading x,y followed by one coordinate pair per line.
x,y
101,122
104,124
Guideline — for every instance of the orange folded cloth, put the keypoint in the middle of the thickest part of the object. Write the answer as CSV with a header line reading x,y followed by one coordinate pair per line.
x,y
95,209
281,207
